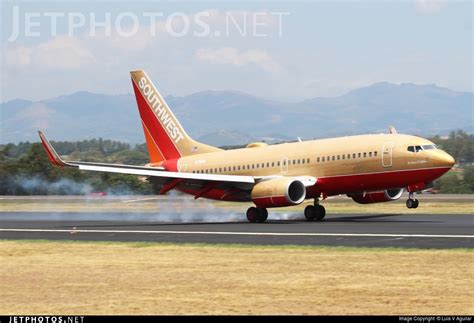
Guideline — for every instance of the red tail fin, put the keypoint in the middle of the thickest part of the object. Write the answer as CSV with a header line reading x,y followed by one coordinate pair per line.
x,y
165,137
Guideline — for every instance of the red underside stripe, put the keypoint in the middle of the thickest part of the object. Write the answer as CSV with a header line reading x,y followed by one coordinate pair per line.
x,y
352,183
372,182
162,139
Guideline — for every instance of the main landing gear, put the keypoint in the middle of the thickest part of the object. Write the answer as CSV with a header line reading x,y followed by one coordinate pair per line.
x,y
315,212
257,214
412,202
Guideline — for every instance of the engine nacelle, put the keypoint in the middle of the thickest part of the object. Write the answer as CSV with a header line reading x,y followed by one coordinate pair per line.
x,y
377,197
278,192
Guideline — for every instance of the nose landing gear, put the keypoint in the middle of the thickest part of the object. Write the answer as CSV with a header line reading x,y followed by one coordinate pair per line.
x,y
412,202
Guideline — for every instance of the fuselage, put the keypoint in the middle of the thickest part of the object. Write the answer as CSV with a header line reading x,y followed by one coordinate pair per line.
x,y
341,165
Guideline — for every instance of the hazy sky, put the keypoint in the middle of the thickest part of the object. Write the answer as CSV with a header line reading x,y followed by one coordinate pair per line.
x,y
274,49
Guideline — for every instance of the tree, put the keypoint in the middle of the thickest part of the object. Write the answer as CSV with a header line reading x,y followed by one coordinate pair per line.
x,y
468,178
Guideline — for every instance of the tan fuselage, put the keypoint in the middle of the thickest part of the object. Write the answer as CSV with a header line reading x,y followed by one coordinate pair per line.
x,y
346,157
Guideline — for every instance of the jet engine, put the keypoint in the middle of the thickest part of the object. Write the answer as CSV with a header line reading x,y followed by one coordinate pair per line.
x,y
377,197
278,192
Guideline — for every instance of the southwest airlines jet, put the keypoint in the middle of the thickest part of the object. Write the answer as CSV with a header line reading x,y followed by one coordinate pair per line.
x,y
368,168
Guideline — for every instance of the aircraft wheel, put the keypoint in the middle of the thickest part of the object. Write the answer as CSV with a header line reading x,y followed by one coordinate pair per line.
x,y
320,213
252,214
309,212
262,215
412,203
415,205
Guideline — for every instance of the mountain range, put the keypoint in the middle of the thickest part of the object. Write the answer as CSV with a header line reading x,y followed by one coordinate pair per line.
x,y
230,118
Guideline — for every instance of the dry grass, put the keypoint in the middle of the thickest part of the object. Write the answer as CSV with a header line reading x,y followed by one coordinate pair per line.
x,y
127,278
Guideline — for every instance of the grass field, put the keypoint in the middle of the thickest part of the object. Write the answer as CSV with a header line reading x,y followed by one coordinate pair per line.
x,y
39,277
429,204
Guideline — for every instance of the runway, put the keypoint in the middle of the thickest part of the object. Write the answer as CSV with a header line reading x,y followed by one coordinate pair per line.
x,y
384,230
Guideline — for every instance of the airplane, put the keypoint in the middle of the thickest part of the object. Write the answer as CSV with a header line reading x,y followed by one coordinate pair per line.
x,y
369,168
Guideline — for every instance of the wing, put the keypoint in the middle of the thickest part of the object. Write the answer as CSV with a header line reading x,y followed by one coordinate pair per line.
x,y
200,184
225,187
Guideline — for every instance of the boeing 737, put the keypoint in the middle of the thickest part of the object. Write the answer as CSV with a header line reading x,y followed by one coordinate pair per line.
x,y
368,168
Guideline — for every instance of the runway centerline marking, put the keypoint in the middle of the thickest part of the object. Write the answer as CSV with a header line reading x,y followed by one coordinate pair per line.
x,y
310,234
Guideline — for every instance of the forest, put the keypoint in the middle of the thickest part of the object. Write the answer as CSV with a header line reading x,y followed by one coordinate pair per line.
x,y
25,168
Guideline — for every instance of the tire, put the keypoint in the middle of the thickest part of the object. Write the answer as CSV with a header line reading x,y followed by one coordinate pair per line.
x,y
415,205
320,214
309,213
262,215
410,203
252,214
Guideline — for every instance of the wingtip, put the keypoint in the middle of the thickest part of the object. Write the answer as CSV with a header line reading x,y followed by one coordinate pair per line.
x,y
52,155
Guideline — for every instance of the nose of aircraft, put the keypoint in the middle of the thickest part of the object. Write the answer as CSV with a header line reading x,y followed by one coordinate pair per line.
x,y
445,159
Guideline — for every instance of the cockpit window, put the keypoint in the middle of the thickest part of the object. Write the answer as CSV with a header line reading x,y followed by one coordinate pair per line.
x,y
411,148
428,147
418,148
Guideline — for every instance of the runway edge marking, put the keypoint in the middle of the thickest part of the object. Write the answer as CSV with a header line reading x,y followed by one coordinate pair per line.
x,y
247,233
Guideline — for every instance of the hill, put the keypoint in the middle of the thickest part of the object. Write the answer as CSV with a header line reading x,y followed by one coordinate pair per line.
x,y
230,118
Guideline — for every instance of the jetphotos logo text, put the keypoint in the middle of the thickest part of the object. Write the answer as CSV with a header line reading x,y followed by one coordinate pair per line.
x,y
163,114
208,23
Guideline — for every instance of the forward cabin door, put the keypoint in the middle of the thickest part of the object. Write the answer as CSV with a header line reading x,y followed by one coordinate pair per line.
x,y
284,165
387,154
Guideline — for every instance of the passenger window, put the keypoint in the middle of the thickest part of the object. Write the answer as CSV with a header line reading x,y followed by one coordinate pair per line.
x,y
263,165
278,164
359,155
333,157
375,154
411,148
365,155
284,163
307,160
353,155
343,156
298,161
317,160
268,164
323,159
273,164
338,157
348,156
370,154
